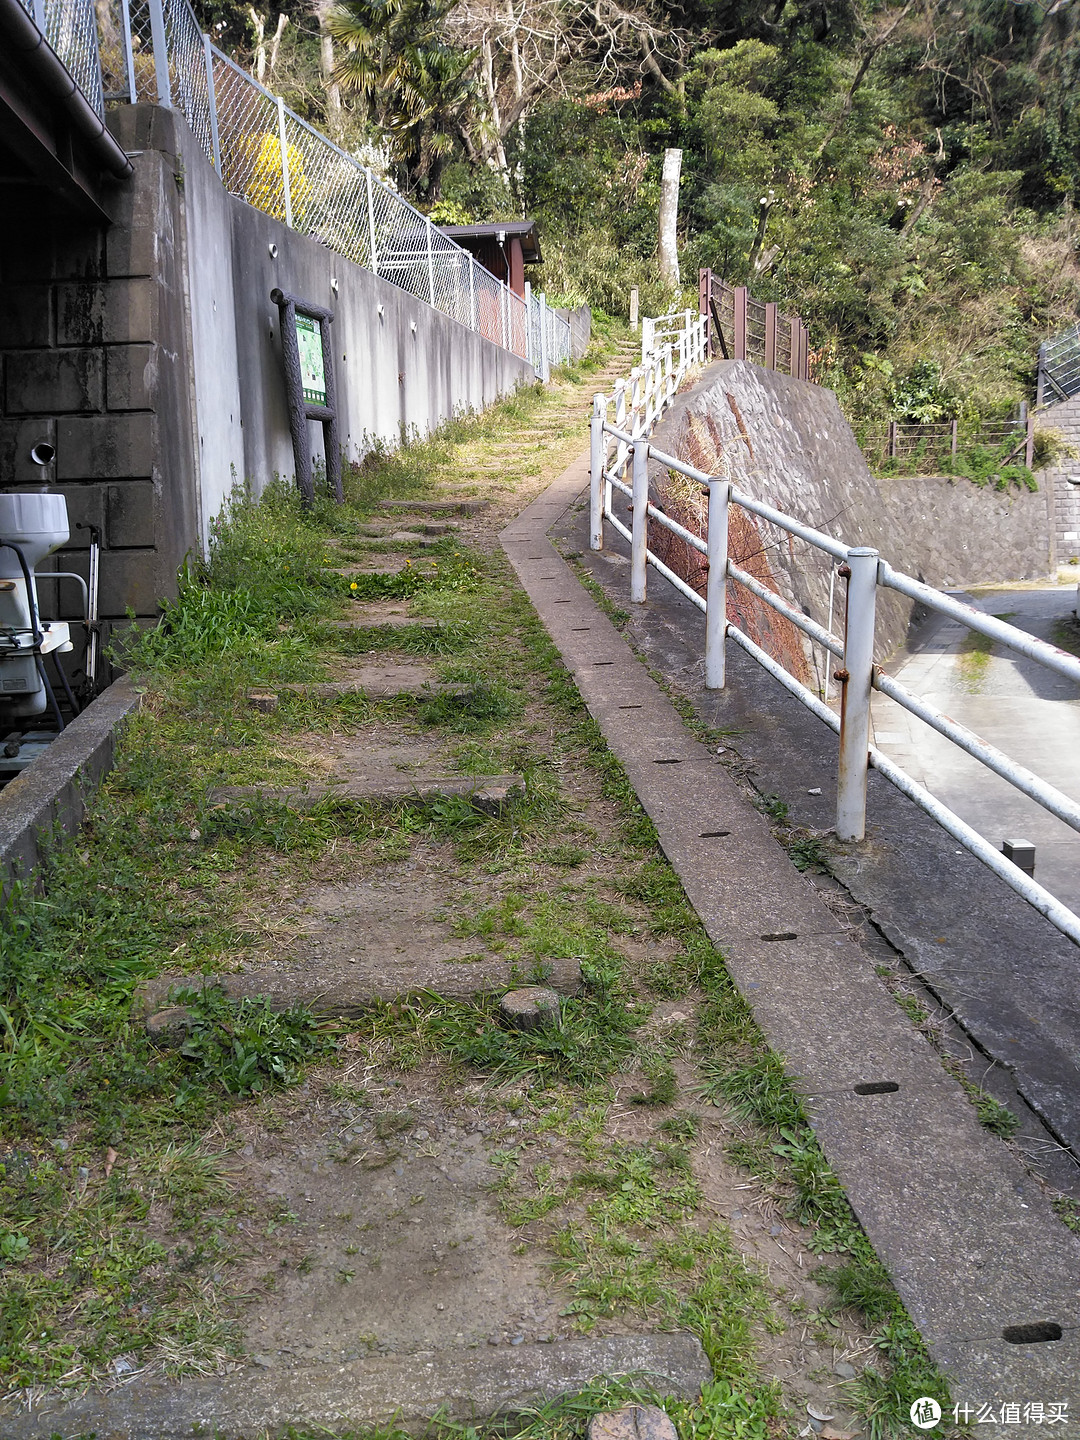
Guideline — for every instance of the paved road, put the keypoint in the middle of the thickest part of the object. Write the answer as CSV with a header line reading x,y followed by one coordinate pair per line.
x,y
1028,712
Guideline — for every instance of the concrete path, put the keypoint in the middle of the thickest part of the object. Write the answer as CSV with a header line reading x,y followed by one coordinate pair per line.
x,y
969,1240
1026,711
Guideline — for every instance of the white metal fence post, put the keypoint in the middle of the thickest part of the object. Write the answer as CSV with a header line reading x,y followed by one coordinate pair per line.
x,y
640,529
856,679
597,456
371,223
161,53
129,58
283,143
211,97
716,584
430,266
545,353
473,320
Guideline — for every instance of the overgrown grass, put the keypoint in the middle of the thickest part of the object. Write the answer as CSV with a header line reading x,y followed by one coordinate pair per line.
x,y
114,1208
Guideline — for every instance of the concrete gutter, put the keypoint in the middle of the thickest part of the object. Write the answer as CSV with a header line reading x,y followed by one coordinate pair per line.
x,y
970,1241
47,70
49,798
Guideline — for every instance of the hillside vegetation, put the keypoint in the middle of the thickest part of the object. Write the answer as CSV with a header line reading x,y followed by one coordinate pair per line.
x,y
903,176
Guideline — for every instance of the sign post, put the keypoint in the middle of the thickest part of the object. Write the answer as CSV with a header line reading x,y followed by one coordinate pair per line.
x,y
309,383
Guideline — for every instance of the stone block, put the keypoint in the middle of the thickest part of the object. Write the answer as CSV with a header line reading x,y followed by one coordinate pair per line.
x,y
113,312
17,439
145,127
53,382
130,377
25,316
127,582
86,506
134,245
129,514
30,253
105,447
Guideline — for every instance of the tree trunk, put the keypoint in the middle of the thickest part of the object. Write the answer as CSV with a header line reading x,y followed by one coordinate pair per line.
x,y
669,218
331,88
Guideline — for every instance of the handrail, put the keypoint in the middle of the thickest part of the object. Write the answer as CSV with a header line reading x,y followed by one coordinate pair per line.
x,y
864,572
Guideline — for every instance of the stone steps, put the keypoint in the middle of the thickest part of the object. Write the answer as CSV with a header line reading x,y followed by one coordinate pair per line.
x,y
470,506
336,996
488,793
409,1389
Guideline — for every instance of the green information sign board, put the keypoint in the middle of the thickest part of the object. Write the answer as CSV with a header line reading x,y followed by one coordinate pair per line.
x,y
312,374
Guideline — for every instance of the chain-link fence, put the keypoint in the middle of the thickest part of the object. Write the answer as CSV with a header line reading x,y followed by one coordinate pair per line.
x,y
71,28
154,51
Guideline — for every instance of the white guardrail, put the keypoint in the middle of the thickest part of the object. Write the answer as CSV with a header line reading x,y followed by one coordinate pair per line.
x,y
153,50
620,455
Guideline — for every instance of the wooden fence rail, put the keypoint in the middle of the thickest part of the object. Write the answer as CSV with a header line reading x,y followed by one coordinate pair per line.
x,y
742,328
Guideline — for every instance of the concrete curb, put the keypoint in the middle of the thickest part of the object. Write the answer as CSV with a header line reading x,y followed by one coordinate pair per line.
x,y
50,796
409,1388
969,1240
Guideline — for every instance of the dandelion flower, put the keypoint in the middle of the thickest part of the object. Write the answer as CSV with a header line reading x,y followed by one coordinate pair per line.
x,y
353,586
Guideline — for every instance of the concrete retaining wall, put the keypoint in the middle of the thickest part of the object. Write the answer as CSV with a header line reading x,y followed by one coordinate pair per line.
x,y
403,368
580,321
146,351
786,442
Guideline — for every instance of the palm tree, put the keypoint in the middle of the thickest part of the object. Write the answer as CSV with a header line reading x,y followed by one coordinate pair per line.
x,y
419,87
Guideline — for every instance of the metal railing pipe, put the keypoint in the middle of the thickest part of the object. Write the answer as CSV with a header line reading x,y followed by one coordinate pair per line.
x,y
777,671
716,585
816,632
833,547
286,179
161,53
1040,650
694,541
1046,904
676,581
856,682
1024,780
639,541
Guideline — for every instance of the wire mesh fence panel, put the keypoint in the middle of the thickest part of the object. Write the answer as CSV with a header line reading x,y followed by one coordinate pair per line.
x,y
250,161
142,52
400,241
516,333
71,29
328,192
560,339
187,70
114,38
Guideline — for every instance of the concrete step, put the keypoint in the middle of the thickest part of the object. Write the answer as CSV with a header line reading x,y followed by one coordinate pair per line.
x,y
489,793
399,537
408,1389
374,528
334,993
464,506
377,681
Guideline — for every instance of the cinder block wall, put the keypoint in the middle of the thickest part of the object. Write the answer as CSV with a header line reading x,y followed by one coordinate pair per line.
x,y
95,360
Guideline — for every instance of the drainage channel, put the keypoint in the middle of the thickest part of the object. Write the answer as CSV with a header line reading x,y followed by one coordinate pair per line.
x,y
984,1267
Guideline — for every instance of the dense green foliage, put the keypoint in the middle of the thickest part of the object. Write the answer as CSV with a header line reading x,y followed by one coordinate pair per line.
x,y
902,176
